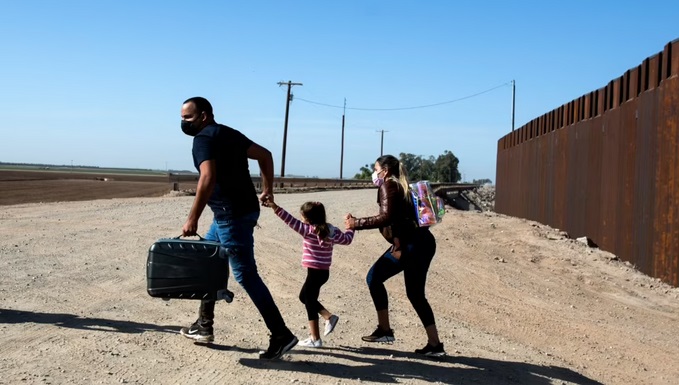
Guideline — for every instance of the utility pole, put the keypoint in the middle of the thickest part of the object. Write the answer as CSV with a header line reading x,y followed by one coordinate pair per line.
x,y
342,148
382,141
285,129
513,102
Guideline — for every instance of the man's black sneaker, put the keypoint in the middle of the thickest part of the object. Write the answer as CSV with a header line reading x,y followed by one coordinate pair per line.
x,y
432,351
380,335
278,346
198,333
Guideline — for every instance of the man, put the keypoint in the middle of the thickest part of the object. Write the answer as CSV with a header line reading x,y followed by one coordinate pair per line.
x,y
221,155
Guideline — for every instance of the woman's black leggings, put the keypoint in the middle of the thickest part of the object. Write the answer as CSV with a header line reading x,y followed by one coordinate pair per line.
x,y
315,278
415,259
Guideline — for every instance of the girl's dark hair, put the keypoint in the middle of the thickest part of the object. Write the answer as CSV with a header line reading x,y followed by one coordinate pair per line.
x,y
314,212
396,169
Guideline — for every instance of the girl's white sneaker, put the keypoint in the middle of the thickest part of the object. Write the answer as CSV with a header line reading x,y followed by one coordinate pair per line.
x,y
311,343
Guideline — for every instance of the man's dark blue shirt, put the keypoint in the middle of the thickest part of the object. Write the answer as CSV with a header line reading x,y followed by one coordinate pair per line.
x,y
234,194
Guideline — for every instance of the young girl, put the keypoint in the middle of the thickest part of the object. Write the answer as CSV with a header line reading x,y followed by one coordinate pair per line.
x,y
319,239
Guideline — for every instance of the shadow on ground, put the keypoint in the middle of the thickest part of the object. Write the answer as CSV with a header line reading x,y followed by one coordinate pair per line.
x,y
392,366
10,316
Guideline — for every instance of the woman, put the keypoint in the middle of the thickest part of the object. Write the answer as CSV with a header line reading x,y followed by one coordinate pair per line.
x,y
411,252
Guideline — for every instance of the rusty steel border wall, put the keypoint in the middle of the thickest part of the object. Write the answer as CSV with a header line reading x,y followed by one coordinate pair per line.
x,y
605,166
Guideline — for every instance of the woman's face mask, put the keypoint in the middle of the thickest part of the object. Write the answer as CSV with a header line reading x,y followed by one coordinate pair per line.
x,y
377,181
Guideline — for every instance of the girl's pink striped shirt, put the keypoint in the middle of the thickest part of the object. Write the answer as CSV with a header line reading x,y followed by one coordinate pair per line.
x,y
316,252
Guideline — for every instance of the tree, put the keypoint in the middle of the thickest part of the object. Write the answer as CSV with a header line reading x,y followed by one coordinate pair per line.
x,y
413,165
365,172
441,169
428,169
446,168
481,182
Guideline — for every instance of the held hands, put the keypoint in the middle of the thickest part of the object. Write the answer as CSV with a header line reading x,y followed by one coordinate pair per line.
x,y
267,201
349,222
265,195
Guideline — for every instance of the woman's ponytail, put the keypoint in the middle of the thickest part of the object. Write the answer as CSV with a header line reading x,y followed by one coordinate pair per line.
x,y
403,180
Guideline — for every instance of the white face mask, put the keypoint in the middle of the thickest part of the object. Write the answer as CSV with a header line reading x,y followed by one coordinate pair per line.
x,y
377,181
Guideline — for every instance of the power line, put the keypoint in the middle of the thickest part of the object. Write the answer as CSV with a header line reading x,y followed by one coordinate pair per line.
x,y
405,108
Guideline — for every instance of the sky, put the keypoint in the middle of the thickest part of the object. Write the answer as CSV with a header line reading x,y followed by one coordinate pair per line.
x,y
101,83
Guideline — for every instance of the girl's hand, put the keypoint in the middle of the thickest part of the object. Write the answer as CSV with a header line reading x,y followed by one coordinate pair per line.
x,y
268,202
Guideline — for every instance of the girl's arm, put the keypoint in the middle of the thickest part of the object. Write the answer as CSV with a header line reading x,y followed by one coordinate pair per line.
x,y
343,238
300,227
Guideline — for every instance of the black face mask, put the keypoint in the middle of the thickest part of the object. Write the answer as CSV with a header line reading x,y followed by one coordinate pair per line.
x,y
189,128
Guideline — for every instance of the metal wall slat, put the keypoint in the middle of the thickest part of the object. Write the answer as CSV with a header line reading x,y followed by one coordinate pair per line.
x,y
605,165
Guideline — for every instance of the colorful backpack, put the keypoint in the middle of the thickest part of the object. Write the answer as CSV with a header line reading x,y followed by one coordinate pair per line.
x,y
429,208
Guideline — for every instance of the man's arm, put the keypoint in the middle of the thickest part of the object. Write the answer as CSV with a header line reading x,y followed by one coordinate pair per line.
x,y
265,161
206,183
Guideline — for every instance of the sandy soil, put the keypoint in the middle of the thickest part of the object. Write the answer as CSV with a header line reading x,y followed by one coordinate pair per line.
x,y
21,186
516,303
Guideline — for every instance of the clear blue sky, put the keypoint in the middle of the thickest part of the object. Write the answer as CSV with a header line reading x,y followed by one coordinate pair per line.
x,y
101,83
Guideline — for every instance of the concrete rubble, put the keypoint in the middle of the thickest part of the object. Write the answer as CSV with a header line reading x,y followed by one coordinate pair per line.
x,y
481,198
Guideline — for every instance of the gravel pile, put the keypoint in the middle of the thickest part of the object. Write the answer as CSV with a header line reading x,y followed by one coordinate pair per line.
x,y
482,196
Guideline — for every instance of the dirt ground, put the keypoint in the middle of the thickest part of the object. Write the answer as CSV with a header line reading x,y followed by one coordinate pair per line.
x,y
516,302
36,186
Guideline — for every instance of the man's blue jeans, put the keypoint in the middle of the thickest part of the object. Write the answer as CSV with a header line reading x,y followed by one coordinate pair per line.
x,y
237,235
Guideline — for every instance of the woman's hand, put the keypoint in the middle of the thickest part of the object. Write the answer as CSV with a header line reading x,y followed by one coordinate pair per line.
x,y
396,248
396,254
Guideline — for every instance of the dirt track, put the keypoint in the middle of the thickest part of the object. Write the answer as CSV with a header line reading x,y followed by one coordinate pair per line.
x,y
55,186
515,301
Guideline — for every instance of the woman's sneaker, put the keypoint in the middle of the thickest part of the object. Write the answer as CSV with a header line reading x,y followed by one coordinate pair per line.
x,y
199,333
432,351
330,324
380,335
311,343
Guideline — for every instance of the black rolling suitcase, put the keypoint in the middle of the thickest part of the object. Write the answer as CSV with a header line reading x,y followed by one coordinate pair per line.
x,y
188,269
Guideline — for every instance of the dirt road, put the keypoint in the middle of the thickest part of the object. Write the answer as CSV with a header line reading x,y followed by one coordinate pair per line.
x,y
516,303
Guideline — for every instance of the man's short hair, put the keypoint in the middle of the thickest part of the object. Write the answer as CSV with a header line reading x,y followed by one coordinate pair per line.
x,y
202,104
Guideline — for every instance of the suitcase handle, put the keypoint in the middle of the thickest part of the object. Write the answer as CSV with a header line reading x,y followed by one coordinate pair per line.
x,y
199,237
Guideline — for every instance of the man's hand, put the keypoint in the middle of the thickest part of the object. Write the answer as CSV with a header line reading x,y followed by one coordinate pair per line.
x,y
190,228
265,197
265,161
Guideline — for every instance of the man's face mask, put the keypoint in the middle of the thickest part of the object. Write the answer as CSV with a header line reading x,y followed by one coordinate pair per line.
x,y
189,128
192,128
